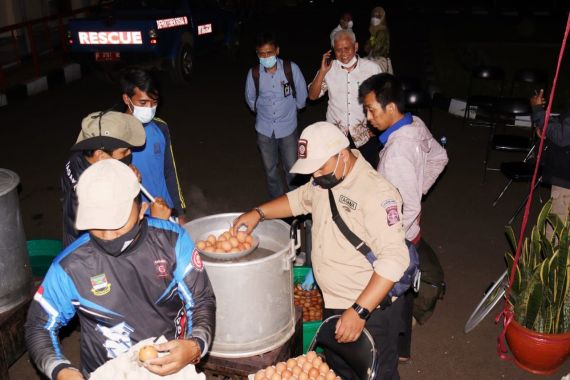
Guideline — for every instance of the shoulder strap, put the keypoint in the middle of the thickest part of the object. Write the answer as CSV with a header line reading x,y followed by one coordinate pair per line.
x,y
255,76
289,75
348,234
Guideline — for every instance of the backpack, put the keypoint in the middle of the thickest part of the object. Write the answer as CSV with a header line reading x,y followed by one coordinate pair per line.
x,y
432,288
288,75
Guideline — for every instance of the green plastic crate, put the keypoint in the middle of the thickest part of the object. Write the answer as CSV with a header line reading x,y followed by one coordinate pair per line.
x,y
41,253
309,328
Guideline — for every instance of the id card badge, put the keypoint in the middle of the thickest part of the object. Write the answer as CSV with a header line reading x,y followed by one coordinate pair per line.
x,y
286,89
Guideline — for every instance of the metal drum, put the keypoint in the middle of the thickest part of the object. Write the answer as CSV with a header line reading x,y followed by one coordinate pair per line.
x,y
254,294
15,272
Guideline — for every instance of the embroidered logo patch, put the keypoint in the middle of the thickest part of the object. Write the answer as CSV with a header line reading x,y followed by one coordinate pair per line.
x,y
302,149
100,286
392,214
160,267
347,202
197,260
181,322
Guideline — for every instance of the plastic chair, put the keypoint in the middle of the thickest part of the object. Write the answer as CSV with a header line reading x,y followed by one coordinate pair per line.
x,y
508,109
360,355
518,171
528,78
483,102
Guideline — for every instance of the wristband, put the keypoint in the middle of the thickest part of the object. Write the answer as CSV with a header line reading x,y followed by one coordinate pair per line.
x,y
362,312
261,213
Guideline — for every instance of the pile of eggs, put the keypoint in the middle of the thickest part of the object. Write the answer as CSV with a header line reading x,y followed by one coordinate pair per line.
x,y
226,243
311,301
304,367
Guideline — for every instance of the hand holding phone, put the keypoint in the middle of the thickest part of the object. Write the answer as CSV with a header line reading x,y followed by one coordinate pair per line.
x,y
326,62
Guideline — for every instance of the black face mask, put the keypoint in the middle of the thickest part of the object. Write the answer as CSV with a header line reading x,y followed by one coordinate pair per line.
x,y
328,181
117,246
127,160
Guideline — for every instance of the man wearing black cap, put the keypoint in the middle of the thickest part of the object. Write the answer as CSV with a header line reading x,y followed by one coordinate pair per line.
x,y
103,135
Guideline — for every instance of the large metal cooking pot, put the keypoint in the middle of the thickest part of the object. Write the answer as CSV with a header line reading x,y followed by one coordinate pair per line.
x,y
15,272
255,312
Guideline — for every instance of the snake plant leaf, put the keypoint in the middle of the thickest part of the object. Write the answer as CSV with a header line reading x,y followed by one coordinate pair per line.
x,y
515,290
529,304
565,315
548,249
543,216
535,250
511,238
557,224
562,265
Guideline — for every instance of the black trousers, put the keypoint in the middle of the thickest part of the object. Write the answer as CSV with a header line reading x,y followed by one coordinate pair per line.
x,y
384,326
405,337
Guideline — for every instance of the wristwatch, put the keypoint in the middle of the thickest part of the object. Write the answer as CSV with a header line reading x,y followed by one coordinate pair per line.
x,y
362,312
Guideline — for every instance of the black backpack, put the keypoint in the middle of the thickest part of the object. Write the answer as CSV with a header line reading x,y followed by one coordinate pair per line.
x,y
288,75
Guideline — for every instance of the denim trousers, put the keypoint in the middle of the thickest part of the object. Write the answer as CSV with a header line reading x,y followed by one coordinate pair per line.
x,y
274,152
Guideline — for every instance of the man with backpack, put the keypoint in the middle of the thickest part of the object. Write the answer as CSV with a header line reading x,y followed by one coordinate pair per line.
x,y
274,90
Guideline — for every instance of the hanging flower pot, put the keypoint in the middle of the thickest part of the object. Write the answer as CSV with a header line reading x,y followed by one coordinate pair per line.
x,y
541,354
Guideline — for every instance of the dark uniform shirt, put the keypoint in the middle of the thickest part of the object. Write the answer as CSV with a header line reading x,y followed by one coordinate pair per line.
x,y
156,287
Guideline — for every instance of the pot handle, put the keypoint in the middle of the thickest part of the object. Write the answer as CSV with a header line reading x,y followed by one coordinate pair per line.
x,y
294,244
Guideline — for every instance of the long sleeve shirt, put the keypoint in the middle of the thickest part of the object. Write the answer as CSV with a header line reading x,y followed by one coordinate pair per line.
x,y
158,286
155,161
275,106
411,160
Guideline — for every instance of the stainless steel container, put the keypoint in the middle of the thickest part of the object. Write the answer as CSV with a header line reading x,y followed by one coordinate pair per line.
x,y
15,272
255,312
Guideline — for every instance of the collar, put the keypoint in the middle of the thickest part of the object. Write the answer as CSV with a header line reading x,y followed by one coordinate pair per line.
x,y
405,120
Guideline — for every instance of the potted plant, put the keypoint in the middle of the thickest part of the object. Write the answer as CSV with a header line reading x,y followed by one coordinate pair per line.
x,y
539,334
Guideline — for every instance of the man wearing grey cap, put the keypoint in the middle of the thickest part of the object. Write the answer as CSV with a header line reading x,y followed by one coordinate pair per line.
x,y
358,287
103,135
130,278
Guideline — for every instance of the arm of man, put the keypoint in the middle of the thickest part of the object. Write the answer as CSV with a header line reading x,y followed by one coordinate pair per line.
x,y
51,309
300,86
195,290
383,221
400,171
293,203
250,93
171,175
435,163
318,86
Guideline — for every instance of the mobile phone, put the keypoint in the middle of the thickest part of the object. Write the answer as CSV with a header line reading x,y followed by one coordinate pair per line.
x,y
331,58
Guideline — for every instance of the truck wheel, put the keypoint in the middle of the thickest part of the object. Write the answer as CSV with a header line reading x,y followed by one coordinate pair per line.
x,y
182,64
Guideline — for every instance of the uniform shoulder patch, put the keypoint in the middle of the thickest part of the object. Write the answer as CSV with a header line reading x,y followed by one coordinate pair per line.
x,y
392,213
197,262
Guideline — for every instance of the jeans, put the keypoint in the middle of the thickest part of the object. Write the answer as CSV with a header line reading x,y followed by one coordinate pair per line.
x,y
271,150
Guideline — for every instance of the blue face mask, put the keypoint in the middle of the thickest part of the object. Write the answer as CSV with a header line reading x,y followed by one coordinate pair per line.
x,y
268,62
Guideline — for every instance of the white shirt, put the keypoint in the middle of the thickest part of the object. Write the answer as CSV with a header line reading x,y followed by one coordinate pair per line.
x,y
344,110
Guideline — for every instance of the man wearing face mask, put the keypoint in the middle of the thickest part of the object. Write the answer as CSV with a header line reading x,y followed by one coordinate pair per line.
x,y
155,159
275,89
378,44
341,78
345,23
354,286
129,279
103,135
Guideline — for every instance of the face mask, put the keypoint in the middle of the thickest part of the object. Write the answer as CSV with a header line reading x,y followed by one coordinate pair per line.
x,y
375,21
143,114
350,63
328,181
350,24
127,160
118,245
268,62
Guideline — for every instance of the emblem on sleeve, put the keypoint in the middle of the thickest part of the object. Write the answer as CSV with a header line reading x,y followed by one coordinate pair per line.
x,y
197,260
392,214
302,149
